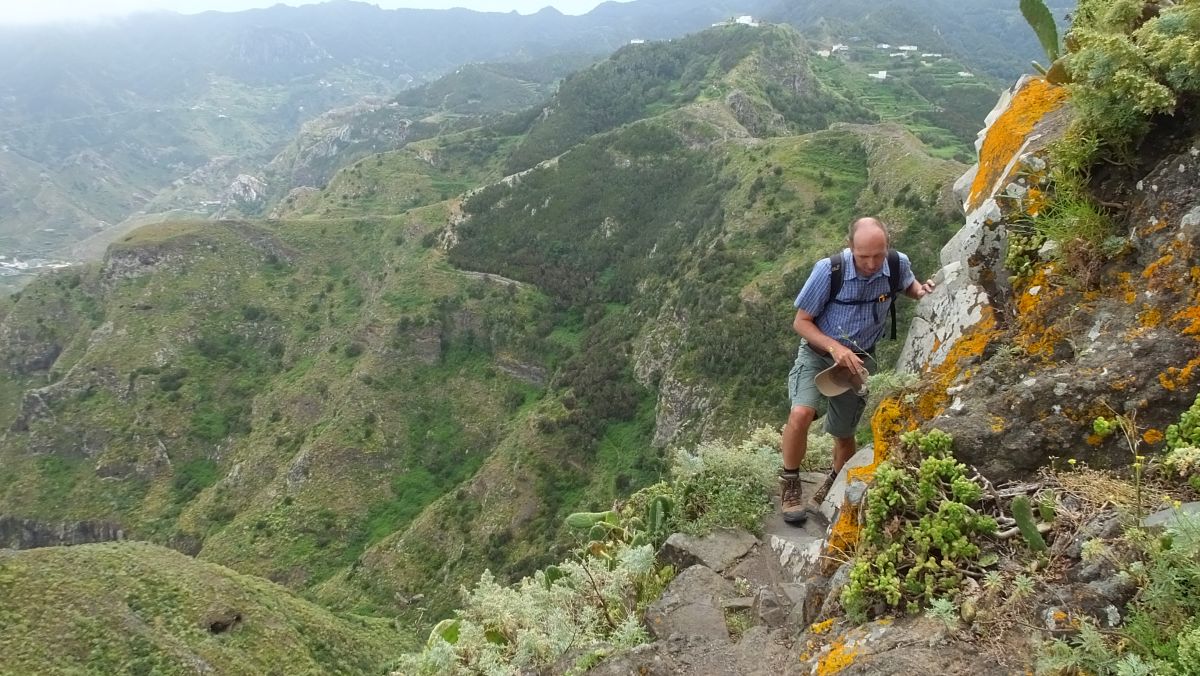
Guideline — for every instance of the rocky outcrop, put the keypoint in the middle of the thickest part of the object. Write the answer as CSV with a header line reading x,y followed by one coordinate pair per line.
x,y
1018,363
759,119
245,190
339,136
16,533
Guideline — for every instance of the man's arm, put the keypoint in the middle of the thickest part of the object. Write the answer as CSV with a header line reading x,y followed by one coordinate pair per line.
x,y
917,290
805,325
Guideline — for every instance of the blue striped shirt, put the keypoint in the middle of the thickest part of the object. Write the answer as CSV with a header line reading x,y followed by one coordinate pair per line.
x,y
858,327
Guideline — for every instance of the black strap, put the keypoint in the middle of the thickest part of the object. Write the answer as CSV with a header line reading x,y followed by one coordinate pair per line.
x,y
893,259
894,281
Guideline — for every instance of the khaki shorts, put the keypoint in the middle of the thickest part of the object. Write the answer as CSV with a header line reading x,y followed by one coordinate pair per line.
x,y
845,410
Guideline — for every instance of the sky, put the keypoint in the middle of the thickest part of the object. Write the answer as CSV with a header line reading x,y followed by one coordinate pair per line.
x,y
25,12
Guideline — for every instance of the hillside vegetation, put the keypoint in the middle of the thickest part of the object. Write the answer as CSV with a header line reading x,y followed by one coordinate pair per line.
x,y
417,372
139,609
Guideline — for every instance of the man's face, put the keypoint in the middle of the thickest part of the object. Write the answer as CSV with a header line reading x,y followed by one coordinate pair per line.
x,y
869,249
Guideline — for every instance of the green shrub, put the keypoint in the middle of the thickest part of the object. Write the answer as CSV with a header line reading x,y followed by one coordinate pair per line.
x,y
921,531
722,485
1183,446
1127,65
192,477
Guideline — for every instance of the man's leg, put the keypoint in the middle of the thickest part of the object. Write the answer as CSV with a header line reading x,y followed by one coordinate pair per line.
x,y
845,411
795,445
844,448
795,436
804,398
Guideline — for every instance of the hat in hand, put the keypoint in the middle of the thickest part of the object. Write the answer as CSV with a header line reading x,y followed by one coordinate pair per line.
x,y
838,379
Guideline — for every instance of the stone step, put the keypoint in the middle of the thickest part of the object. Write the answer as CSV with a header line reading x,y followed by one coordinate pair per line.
x,y
797,549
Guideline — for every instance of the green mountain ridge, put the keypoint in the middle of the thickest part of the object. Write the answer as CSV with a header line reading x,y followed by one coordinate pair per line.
x,y
141,116
384,391
176,615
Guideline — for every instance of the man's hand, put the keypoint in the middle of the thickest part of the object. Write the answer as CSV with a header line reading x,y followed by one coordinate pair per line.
x,y
919,290
845,357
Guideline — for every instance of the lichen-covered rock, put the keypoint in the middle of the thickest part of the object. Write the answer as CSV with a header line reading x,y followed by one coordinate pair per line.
x,y
1016,371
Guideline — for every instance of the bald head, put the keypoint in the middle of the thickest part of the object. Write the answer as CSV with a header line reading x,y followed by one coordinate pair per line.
x,y
868,227
868,245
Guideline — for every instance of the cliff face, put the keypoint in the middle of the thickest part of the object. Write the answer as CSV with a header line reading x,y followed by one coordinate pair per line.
x,y
1018,366
29,534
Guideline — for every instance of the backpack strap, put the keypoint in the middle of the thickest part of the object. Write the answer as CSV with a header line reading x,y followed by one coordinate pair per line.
x,y
893,261
835,277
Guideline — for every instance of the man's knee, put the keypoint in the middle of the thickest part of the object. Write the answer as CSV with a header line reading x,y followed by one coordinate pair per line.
x,y
801,417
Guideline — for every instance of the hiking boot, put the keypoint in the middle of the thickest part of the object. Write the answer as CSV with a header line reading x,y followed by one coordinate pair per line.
x,y
819,497
792,498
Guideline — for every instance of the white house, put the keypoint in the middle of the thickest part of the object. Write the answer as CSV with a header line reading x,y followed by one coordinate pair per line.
x,y
823,53
746,20
931,55
963,73
881,75
907,48
883,45
637,41
839,48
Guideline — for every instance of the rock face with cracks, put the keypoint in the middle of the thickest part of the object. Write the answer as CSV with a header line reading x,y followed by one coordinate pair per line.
x,y
1016,368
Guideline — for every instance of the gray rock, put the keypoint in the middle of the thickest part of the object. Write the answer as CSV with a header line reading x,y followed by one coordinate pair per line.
x,y
771,609
691,606
1169,518
1103,526
718,550
837,493
18,533
740,603
806,599
831,605
651,659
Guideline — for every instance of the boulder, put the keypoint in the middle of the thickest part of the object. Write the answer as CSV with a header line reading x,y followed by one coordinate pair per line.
x,y
691,606
718,551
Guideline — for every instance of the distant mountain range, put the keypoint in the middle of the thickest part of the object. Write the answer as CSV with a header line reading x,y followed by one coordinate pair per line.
x,y
166,115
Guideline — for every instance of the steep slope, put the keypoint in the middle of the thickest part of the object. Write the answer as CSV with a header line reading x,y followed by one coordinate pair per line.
x,y
375,402
176,616
676,289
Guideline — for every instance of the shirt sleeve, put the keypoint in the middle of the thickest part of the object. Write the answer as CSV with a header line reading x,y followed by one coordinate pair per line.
x,y
815,294
906,274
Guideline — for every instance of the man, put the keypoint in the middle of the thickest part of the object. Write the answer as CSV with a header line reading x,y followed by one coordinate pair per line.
x,y
840,331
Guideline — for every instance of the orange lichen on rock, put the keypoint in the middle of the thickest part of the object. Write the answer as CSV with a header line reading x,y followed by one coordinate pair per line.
x,y
1150,317
1190,317
1035,201
1125,287
1035,333
1174,378
1150,229
1152,270
843,536
1008,133
840,656
1152,436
